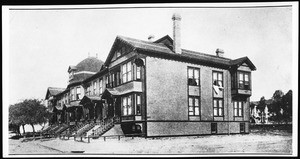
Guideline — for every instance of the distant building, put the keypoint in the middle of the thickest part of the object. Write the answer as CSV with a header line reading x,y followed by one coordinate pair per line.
x,y
260,117
156,88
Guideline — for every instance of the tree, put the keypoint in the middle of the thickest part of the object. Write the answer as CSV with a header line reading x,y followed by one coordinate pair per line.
x,y
261,107
287,104
275,106
16,117
30,111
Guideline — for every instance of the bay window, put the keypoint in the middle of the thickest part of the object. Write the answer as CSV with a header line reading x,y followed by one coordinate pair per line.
x,y
100,86
138,104
95,87
138,73
127,105
126,72
244,80
77,93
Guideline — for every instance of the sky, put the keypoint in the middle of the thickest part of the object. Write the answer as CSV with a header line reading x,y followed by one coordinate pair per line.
x,y
44,43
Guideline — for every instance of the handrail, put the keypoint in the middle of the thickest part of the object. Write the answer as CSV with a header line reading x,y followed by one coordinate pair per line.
x,y
104,125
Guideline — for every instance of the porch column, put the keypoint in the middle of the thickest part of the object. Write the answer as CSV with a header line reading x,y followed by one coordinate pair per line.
x,y
76,114
95,112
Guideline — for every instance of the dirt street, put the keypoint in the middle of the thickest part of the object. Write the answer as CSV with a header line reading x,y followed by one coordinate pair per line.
x,y
277,142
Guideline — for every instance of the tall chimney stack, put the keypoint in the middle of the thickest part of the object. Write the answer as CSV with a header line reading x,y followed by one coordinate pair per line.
x,y
176,33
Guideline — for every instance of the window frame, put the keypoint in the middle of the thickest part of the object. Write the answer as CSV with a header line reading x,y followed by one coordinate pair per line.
x,y
138,104
222,79
218,107
94,87
127,73
236,110
243,81
100,86
78,94
193,79
138,74
127,106
193,106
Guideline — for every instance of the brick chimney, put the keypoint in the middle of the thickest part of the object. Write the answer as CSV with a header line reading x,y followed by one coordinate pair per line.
x,y
220,52
176,33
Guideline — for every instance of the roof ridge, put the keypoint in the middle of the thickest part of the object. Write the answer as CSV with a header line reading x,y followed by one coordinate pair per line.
x,y
206,54
160,44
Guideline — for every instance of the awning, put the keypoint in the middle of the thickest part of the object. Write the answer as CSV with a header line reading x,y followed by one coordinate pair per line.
x,y
87,99
73,105
115,92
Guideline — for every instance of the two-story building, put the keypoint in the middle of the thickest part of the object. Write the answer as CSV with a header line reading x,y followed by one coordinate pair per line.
x,y
156,88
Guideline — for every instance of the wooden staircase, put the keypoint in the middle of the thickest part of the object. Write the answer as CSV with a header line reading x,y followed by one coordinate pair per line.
x,y
81,132
61,129
105,125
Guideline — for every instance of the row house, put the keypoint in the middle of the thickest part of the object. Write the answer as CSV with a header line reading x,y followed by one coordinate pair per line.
x,y
156,88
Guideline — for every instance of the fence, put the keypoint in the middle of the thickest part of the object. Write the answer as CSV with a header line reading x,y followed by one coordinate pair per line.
x,y
104,137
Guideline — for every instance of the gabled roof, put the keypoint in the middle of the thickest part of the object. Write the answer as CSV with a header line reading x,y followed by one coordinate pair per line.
x,y
162,49
167,40
159,48
52,91
240,61
71,68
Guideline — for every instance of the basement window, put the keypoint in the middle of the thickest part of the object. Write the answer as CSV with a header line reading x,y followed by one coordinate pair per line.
x,y
242,127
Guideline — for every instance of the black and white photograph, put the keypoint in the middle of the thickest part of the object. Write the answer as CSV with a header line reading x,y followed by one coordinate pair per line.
x,y
150,80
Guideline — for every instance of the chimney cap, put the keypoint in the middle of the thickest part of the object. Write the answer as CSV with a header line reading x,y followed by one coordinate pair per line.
x,y
219,50
176,16
151,37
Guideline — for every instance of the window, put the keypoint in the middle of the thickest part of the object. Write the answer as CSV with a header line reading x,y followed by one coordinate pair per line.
x,y
95,88
111,79
194,108
244,80
214,128
218,79
73,94
242,127
127,105
88,90
126,72
100,86
218,107
106,81
238,108
138,72
138,105
77,93
193,76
